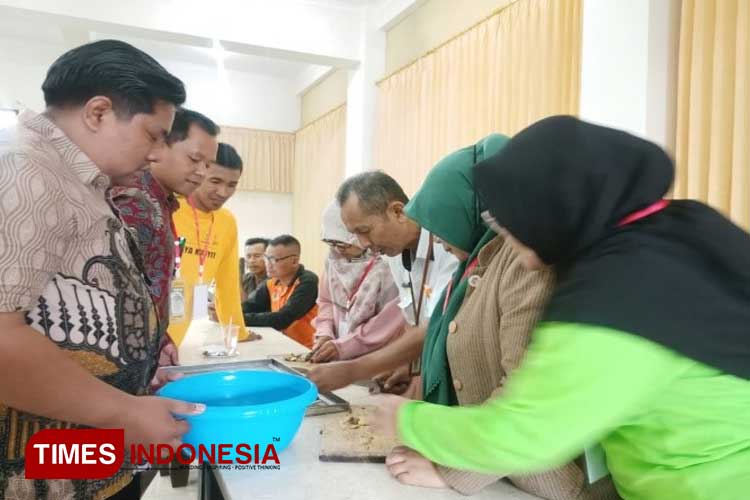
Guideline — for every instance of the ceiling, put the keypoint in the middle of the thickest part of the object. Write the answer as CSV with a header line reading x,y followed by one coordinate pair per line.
x,y
28,27
266,66
297,41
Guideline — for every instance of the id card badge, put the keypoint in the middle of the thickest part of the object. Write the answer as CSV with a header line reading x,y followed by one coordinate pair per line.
x,y
200,301
177,302
596,463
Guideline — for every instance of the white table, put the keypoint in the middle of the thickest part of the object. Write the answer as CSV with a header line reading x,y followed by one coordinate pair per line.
x,y
302,475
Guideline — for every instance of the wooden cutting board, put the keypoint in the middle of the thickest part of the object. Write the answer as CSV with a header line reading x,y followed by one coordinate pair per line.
x,y
350,437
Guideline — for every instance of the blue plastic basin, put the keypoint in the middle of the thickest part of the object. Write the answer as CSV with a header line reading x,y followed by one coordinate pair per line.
x,y
244,407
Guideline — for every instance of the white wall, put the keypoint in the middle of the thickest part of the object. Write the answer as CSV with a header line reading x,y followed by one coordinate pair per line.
x,y
664,54
239,99
614,66
629,66
23,67
362,95
261,214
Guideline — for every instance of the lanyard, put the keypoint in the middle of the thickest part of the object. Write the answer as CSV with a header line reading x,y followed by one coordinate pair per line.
x,y
417,307
415,367
367,270
203,253
640,214
179,246
467,272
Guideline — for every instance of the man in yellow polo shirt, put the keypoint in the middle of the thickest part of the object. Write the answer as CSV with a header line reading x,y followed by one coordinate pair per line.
x,y
210,251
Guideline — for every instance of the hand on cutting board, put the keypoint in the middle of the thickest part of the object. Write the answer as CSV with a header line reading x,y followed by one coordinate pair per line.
x,y
386,414
409,467
325,352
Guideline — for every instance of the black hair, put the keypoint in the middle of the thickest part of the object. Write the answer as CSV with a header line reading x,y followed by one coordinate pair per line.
x,y
227,157
183,119
255,241
375,190
285,240
132,79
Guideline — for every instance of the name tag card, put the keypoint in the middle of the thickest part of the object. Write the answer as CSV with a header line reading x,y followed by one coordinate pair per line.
x,y
200,302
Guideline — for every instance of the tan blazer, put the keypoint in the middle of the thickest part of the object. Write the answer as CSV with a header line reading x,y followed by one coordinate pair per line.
x,y
486,342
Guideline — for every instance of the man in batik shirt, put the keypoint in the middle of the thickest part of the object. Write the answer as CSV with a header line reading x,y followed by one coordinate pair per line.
x,y
146,202
79,330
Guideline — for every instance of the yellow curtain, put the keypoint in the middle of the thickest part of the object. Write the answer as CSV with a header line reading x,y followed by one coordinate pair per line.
x,y
268,158
519,65
320,154
713,108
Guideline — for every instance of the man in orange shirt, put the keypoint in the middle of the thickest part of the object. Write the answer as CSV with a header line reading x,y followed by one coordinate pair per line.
x,y
287,300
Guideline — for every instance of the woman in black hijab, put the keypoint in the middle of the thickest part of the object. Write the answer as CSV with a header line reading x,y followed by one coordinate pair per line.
x,y
645,344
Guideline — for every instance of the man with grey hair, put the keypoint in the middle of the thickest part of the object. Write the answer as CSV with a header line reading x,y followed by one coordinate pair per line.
x,y
372,207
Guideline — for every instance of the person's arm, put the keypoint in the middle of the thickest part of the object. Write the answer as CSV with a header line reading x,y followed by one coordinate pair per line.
x,y
373,333
243,292
558,402
241,270
30,368
30,363
522,298
228,305
302,300
324,321
401,351
259,301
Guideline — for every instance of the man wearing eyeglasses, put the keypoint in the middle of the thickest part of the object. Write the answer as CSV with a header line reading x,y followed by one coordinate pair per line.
x,y
286,301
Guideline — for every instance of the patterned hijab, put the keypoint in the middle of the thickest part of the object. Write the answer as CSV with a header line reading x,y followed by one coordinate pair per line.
x,y
343,274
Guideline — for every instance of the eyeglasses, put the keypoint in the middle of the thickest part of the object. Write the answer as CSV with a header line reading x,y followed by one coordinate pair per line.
x,y
274,260
338,245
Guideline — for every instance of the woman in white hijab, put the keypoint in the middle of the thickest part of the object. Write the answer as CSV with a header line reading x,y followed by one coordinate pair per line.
x,y
357,312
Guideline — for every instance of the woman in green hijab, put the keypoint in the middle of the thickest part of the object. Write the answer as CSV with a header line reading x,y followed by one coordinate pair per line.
x,y
479,335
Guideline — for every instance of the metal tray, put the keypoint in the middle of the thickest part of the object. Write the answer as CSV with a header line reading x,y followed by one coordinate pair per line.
x,y
326,403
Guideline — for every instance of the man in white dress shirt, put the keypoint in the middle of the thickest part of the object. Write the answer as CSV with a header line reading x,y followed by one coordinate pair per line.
x,y
372,207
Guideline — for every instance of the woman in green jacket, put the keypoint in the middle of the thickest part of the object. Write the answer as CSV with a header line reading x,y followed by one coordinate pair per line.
x,y
645,343
479,336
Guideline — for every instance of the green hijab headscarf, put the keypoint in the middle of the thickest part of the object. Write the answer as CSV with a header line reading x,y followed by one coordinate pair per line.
x,y
447,206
